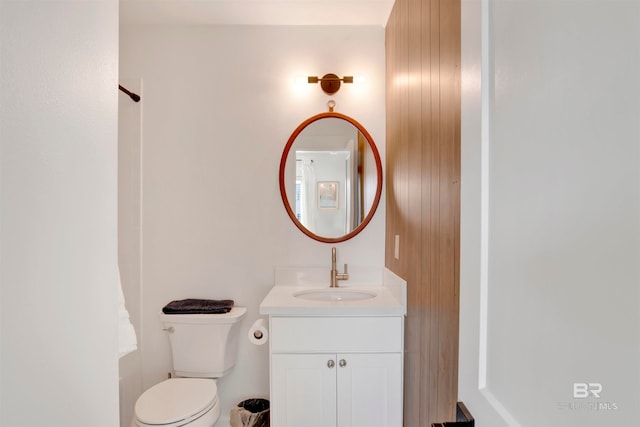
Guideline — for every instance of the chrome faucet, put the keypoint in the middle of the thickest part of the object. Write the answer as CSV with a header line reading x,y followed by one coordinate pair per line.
x,y
335,276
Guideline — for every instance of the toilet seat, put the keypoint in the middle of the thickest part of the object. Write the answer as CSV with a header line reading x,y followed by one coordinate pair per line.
x,y
176,402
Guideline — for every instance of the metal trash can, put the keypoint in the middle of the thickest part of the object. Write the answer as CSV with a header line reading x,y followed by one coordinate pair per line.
x,y
251,413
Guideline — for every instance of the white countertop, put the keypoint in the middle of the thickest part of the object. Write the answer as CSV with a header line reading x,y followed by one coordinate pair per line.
x,y
390,298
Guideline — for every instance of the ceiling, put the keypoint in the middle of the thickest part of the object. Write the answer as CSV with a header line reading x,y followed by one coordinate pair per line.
x,y
256,12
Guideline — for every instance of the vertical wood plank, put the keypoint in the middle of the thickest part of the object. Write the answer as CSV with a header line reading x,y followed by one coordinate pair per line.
x,y
415,341
427,200
446,220
432,321
390,61
455,33
450,105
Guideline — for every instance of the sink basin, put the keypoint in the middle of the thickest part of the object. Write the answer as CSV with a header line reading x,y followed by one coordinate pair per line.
x,y
332,294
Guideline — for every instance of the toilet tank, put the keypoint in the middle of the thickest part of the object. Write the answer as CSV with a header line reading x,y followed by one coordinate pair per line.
x,y
203,345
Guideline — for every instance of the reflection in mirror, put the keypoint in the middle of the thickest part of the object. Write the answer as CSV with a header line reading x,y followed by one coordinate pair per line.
x,y
330,177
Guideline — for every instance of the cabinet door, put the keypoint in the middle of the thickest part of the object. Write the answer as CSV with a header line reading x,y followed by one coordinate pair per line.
x,y
369,390
303,390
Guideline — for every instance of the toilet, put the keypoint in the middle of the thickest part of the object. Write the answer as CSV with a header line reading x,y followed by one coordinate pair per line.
x,y
204,348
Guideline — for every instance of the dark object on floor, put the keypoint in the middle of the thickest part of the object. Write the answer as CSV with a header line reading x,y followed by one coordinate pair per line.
x,y
251,413
463,418
198,306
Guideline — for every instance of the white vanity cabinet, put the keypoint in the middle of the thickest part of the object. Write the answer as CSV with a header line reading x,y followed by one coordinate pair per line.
x,y
336,371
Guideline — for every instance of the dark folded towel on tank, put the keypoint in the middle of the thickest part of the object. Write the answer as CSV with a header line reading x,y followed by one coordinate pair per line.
x,y
198,306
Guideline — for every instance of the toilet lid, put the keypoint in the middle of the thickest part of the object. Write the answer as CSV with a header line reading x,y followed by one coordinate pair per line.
x,y
176,399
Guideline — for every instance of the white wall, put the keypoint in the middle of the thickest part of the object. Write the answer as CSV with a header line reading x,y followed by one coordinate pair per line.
x,y
58,195
550,212
129,141
219,104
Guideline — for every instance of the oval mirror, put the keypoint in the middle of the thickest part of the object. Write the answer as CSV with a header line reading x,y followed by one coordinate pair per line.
x,y
330,177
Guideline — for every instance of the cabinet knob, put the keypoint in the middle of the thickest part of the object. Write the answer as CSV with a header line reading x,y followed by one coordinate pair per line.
x,y
331,363
342,363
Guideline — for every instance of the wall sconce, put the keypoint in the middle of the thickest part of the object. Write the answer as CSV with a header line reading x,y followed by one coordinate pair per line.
x,y
330,83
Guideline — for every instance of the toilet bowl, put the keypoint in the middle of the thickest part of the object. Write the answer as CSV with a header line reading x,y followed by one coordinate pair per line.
x,y
204,348
176,402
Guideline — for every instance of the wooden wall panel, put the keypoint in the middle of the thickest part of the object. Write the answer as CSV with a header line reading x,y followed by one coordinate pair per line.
x,y
423,196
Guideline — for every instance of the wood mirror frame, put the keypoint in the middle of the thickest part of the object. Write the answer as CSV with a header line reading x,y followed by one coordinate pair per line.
x,y
378,165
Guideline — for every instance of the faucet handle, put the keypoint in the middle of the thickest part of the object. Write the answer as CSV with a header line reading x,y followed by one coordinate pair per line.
x,y
343,276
